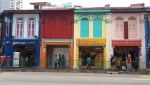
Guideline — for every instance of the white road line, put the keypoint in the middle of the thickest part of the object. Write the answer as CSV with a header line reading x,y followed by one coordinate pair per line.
x,y
145,76
141,79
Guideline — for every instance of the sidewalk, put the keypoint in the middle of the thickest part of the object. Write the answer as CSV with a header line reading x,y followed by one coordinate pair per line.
x,y
67,70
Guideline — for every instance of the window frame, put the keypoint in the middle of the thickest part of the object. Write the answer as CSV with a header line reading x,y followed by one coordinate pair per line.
x,y
31,29
22,22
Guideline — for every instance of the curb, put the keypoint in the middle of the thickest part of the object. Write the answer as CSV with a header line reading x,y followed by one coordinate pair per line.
x,y
77,71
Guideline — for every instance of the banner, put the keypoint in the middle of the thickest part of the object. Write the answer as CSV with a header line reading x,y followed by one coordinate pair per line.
x,y
16,59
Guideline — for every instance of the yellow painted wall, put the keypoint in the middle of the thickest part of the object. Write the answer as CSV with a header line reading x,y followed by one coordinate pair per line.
x,y
77,36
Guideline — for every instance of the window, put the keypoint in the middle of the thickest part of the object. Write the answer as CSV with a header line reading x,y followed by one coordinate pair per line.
x,y
119,28
84,28
132,27
31,27
97,27
19,29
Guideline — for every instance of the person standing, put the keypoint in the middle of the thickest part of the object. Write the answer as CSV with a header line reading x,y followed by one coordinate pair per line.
x,y
63,61
88,63
60,60
56,61
8,60
2,60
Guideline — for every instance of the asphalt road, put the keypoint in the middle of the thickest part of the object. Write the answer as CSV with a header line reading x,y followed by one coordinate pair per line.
x,y
49,78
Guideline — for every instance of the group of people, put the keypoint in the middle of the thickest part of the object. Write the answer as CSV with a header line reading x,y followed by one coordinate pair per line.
x,y
117,61
59,61
3,58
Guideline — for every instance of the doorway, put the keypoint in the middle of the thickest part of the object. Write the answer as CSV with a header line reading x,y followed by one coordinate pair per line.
x,y
94,52
56,50
26,51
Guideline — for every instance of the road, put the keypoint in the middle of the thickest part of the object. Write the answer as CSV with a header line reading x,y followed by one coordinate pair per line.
x,y
49,78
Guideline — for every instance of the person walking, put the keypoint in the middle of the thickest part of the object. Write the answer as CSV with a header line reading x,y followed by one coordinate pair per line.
x,y
8,60
111,61
130,63
56,61
89,63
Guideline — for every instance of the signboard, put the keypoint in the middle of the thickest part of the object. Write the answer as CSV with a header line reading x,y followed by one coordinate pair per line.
x,y
125,30
91,42
24,43
16,59
126,42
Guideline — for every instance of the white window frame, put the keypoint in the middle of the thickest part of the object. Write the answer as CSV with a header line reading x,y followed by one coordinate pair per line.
x,y
119,27
20,22
31,29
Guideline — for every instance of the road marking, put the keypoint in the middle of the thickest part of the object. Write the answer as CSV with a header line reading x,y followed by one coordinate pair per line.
x,y
32,76
8,76
84,77
145,76
141,79
111,78
58,77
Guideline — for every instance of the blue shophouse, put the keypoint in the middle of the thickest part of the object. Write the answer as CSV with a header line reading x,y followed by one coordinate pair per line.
x,y
21,37
147,35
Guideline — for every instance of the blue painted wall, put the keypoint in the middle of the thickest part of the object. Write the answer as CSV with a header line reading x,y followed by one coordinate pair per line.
x,y
7,42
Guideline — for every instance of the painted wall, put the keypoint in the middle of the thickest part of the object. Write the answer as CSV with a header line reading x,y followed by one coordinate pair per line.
x,y
57,24
101,21
8,47
140,32
26,16
147,34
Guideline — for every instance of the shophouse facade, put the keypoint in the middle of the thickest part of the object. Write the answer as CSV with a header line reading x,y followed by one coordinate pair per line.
x,y
90,36
57,36
20,36
127,35
147,36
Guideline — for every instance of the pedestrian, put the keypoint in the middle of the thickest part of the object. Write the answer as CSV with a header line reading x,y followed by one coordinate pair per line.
x,y
56,61
8,60
89,63
130,63
60,60
111,61
63,61
2,60
114,64
118,63
27,61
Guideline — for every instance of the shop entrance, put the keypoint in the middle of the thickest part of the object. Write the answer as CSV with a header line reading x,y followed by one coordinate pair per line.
x,y
94,52
123,51
56,50
27,55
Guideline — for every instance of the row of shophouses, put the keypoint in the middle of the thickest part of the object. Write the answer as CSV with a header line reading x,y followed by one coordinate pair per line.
x,y
77,33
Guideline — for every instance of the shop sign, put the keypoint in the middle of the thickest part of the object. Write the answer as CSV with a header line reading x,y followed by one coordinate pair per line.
x,y
7,42
24,43
126,42
91,42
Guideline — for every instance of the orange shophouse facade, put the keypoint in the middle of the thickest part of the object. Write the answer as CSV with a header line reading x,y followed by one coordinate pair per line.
x,y
56,36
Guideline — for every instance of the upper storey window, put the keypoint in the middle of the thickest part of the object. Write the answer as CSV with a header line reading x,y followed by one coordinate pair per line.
x,y
132,27
19,27
97,27
119,27
84,28
31,26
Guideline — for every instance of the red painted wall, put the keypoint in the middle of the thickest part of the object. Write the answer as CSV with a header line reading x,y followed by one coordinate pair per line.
x,y
57,24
